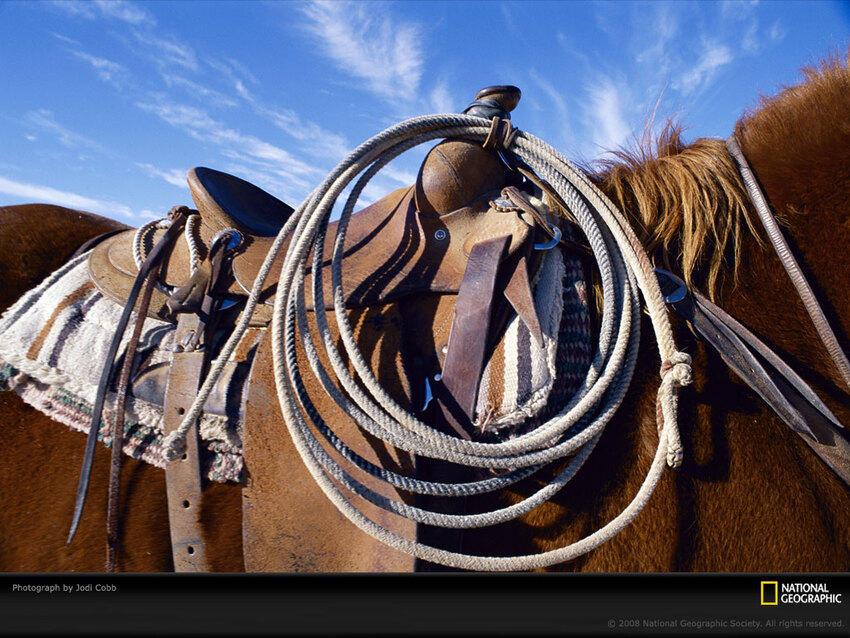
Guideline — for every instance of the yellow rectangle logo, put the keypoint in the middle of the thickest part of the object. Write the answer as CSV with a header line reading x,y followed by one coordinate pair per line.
x,y
769,592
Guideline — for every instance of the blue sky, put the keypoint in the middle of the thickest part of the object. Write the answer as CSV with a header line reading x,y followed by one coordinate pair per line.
x,y
104,106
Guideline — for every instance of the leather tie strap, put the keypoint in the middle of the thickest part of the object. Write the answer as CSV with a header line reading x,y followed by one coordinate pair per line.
x,y
178,216
795,273
468,337
193,337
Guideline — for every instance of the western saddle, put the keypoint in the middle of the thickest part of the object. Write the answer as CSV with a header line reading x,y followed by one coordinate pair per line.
x,y
466,228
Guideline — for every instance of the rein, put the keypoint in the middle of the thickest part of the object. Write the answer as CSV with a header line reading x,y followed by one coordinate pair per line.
x,y
626,273
804,290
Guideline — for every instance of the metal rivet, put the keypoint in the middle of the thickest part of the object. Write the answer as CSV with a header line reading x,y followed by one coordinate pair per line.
x,y
438,377
440,234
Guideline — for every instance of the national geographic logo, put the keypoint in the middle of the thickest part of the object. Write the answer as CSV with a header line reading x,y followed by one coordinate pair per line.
x,y
796,593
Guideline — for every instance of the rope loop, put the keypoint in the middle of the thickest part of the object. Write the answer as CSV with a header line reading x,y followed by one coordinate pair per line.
x,y
571,435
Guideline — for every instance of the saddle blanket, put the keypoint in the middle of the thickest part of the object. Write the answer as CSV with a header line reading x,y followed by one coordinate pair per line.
x,y
54,339
53,342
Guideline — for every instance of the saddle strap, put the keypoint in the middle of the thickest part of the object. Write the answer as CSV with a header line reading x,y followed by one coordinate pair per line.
x,y
765,373
178,216
183,476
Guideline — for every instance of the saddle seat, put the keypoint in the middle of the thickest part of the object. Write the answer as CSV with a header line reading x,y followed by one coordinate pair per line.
x,y
415,239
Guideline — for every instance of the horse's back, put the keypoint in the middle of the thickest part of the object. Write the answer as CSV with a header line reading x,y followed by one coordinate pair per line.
x,y
38,238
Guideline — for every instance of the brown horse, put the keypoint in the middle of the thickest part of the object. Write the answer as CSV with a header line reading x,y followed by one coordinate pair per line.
x,y
750,495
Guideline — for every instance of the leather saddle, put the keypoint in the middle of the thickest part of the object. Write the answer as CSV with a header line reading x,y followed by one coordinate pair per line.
x,y
416,239
465,230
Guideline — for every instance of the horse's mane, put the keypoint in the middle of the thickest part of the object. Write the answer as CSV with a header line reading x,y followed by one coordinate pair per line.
x,y
687,201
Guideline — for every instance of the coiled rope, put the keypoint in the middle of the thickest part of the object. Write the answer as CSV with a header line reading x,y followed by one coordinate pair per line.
x,y
625,272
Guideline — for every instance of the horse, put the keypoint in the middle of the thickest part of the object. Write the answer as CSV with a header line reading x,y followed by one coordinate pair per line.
x,y
750,496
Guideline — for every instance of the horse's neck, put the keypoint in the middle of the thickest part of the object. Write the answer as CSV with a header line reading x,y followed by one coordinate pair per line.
x,y
799,149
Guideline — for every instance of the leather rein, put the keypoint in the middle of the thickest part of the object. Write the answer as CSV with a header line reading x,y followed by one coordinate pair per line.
x,y
753,361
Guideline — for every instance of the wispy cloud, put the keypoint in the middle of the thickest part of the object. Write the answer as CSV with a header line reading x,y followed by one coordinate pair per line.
x,y
124,11
316,140
121,10
604,109
713,57
289,173
107,70
664,26
44,120
557,105
199,91
385,53
174,176
46,194
167,51
510,21
442,100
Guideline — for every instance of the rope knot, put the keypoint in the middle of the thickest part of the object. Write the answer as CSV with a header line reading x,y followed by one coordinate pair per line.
x,y
174,445
679,367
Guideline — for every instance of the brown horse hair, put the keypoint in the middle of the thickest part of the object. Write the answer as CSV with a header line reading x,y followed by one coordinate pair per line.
x,y
686,202
798,128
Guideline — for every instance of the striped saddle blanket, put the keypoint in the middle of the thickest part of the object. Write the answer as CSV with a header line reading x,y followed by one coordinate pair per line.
x,y
53,339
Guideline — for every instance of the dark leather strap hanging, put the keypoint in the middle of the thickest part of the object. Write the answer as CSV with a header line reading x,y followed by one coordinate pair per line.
x,y
154,259
761,369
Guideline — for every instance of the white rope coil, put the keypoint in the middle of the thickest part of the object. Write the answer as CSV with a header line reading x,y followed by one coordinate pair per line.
x,y
625,272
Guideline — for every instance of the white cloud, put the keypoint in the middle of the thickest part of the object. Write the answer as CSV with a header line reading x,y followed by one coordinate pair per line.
x,y
279,165
236,72
124,11
113,9
664,28
777,33
317,141
713,57
44,120
168,51
108,70
557,101
67,40
605,110
403,177
204,93
386,54
442,101
77,8
174,176
46,194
